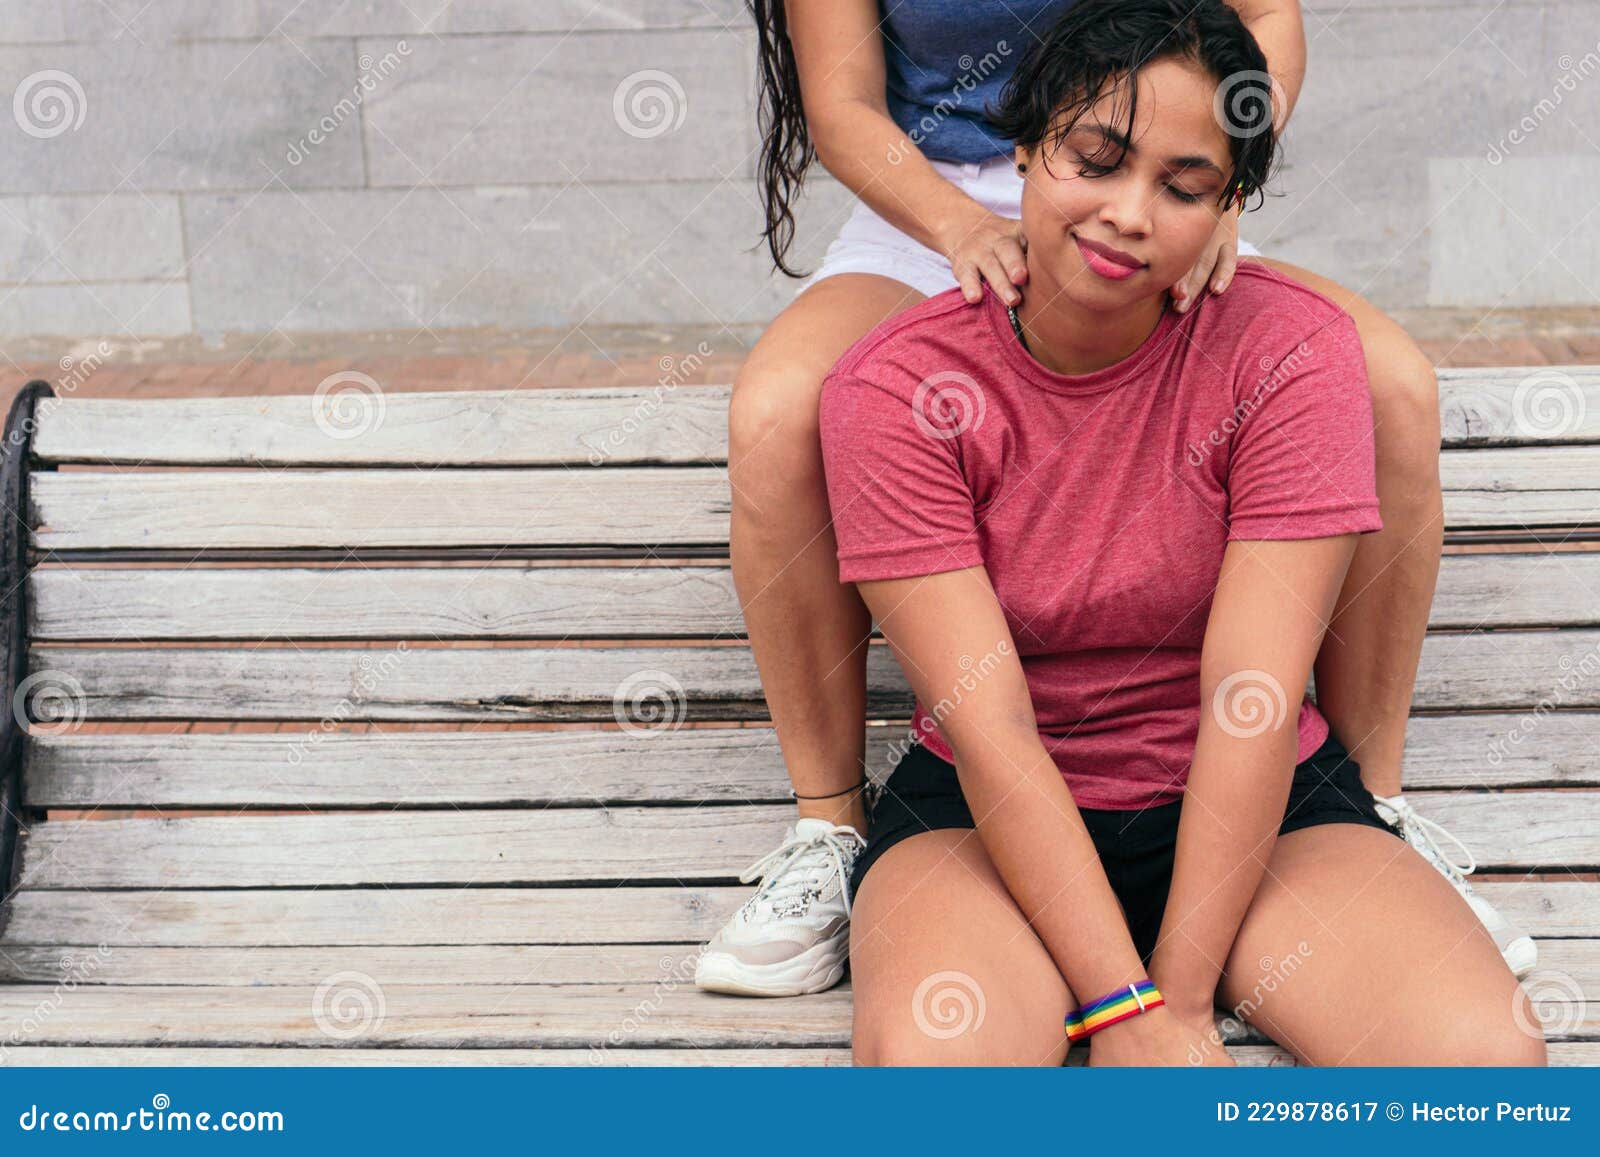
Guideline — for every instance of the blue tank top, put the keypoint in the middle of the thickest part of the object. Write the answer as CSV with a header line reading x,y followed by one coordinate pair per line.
x,y
946,59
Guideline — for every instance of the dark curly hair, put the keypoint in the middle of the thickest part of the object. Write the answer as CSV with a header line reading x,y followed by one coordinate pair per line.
x,y
1091,47
1100,46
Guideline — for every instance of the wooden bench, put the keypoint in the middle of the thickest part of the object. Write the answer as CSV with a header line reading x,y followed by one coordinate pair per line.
x,y
279,657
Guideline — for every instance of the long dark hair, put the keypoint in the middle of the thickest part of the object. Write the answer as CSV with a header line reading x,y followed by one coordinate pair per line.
x,y
786,150
1094,42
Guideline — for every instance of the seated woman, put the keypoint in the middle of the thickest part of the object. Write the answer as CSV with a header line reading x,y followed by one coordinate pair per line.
x,y
1104,540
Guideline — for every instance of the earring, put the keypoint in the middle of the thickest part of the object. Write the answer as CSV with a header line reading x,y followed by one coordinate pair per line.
x,y
1022,168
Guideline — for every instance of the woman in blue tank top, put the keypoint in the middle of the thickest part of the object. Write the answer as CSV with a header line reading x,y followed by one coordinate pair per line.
x,y
891,99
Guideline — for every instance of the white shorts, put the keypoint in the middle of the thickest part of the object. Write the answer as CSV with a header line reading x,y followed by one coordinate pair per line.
x,y
869,244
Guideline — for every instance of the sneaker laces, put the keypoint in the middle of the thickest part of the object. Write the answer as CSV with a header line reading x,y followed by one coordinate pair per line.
x,y
1419,833
789,870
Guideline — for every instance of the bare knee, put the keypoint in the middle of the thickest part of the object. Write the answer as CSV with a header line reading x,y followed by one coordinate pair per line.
x,y
1405,411
773,410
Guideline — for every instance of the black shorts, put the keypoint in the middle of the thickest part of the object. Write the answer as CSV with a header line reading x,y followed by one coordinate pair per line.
x,y
1136,847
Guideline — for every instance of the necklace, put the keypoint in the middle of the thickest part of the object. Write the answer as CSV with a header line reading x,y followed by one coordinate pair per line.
x,y
1016,326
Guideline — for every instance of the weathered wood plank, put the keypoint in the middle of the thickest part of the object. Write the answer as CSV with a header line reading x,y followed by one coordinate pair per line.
x,y
490,846
631,426
1519,405
351,509
287,917
1562,1054
1529,589
419,769
652,686
1517,488
1516,830
1576,961
357,1015
687,765
641,425
49,1056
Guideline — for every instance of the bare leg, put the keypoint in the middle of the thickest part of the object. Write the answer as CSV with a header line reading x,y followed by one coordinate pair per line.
x,y
808,631
1367,668
945,969
1355,951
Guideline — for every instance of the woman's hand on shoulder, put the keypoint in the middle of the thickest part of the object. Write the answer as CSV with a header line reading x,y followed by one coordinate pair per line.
x,y
1216,263
988,247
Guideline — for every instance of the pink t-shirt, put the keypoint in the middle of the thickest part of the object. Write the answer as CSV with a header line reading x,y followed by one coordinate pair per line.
x,y
1101,503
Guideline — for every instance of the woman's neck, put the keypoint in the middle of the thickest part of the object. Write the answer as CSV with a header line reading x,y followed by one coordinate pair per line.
x,y
1068,339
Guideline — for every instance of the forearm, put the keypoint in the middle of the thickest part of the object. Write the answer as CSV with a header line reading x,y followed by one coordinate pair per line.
x,y
1033,832
870,154
1234,801
1278,29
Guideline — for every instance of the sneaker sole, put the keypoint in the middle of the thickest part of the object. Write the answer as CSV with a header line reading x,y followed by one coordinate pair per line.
x,y
817,969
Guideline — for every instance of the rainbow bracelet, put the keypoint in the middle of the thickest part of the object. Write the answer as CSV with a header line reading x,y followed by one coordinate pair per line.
x,y
1128,1001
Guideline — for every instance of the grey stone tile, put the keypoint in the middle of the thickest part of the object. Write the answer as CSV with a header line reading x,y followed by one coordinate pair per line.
x,y
191,116
111,308
90,237
548,108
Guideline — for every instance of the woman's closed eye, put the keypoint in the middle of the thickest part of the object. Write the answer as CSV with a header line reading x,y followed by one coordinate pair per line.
x,y
1088,168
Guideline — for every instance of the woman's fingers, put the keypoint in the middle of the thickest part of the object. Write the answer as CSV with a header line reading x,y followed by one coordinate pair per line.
x,y
1227,262
971,281
1010,250
997,275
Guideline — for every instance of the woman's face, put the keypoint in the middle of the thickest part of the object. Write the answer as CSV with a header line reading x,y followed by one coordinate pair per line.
x,y
1156,208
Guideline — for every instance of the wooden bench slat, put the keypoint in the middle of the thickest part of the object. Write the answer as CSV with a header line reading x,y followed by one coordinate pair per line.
x,y
622,426
1562,1054
441,1016
687,765
1517,488
446,683
635,507
51,1056
563,602
551,965
288,917
1478,670
1514,830
533,427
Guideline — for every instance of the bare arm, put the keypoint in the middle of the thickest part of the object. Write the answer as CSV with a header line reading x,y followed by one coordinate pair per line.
x,y
1272,604
951,637
838,50
1278,28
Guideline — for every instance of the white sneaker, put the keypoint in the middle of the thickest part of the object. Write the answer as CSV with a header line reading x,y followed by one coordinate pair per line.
x,y
793,935
1518,948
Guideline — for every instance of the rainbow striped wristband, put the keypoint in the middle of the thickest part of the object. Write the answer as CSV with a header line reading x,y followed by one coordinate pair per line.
x,y
1128,1001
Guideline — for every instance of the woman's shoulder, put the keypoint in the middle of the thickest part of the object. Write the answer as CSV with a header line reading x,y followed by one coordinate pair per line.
x,y
1263,303
911,339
